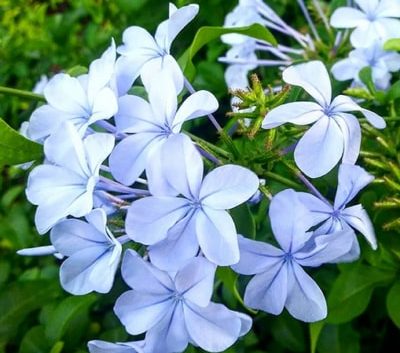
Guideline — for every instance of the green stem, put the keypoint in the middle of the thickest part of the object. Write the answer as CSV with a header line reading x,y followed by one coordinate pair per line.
x,y
203,143
21,93
229,142
282,180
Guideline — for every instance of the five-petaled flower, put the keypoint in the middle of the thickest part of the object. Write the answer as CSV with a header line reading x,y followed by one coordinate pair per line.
x,y
336,133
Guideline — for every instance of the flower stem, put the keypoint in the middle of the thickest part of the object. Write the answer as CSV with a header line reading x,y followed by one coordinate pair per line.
x,y
21,93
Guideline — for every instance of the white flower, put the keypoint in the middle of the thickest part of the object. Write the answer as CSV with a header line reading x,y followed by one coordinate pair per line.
x,y
375,20
381,62
81,100
336,133
65,186
148,56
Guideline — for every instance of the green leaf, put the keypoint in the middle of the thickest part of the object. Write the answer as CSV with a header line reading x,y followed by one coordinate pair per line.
x,y
365,76
392,44
16,149
352,290
394,91
65,313
339,339
393,303
34,341
208,33
22,298
315,332
289,333
244,221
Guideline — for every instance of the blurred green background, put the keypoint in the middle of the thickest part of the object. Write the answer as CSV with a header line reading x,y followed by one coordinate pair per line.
x,y
37,316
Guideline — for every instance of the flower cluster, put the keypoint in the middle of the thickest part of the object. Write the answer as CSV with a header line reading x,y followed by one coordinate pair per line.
x,y
373,22
123,179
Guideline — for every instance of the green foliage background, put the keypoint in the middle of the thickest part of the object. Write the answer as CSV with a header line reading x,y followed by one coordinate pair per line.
x,y
37,316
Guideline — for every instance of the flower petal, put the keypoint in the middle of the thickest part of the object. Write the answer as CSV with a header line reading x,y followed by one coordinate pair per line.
x,y
228,186
298,113
149,219
196,105
128,159
66,94
139,312
290,226
351,132
320,149
104,105
267,291
182,165
45,120
305,300
313,78
100,72
98,346
217,236
138,43
90,269
358,218
319,209
170,334
347,17
195,281
143,276
169,81
351,180
213,328
127,70
135,115
327,248
178,19
72,235
256,256
180,245
97,147
65,148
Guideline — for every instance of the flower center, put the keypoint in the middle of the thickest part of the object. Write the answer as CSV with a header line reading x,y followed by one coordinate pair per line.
x,y
328,110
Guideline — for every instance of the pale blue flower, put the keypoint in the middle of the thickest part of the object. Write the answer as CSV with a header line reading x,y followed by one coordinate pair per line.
x,y
119,347
381,62
174,309
153,123
336,133
66,184
92,253
175,227
280,281
374,20
81,100
338,217
148,56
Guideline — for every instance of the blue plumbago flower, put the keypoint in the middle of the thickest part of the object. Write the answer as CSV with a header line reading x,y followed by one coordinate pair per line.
x,y
175,227
242,57
153,124
120,347
336,133
81,100
280,280
66,184
381,62
150,57
338,217
175,309
93,253
375,20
